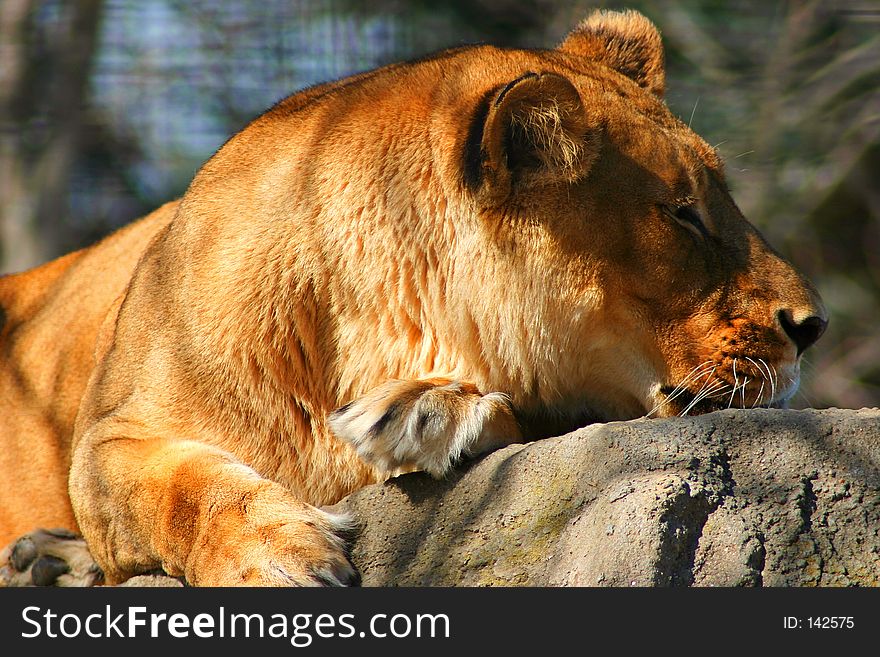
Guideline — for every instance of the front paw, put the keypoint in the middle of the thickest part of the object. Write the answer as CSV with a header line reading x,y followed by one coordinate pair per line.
x,y
273,545
427,425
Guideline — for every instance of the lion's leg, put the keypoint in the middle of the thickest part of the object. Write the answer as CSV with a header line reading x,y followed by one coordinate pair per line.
x,y
426,424
49,557
193,510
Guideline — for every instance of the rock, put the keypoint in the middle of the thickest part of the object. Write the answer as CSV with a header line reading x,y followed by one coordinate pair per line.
x,y
751,498
153,581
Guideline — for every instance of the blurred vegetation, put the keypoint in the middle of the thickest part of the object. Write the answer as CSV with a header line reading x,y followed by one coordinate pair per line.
x,y
107,108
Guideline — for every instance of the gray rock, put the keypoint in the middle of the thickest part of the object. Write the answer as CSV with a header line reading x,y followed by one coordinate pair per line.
x,y
734,498
153,581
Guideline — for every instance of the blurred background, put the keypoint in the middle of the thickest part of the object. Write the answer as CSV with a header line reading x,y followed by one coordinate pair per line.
x,y
108,107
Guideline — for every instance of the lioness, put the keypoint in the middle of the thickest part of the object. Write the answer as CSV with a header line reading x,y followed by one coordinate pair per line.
x,y
380,274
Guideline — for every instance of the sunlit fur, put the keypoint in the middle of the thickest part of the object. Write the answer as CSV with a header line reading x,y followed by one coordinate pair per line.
x,y
456,253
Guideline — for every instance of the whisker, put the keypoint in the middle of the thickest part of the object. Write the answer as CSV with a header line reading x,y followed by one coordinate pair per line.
x,y
742,393
694,111
718,389
696,373
800,393
773,378
759,397
765,378
688,408
700,393
706,394
735,385
760,365
721,391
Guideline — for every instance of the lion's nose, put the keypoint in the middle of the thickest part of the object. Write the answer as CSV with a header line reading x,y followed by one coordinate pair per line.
x,y
803,332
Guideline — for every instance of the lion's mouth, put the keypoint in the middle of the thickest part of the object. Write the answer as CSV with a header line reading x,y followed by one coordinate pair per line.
x,y
747,383
677,401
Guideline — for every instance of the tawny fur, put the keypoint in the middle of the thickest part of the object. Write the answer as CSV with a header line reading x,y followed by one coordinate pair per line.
x,y
459,252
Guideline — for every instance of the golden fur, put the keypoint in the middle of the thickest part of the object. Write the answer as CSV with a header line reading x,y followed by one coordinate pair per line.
x,y
456,253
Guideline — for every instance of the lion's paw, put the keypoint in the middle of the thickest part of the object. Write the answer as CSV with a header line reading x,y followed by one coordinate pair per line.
x,y
293,547
426,425
49,557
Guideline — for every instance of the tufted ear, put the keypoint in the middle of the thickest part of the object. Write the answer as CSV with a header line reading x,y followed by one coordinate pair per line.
x,y
536,131
624,41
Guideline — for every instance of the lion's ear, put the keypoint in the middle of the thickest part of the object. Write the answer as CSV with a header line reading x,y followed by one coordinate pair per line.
x,y
536,131
625,41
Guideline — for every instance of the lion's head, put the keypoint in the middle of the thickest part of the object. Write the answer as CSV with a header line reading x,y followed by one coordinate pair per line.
x,y
606,223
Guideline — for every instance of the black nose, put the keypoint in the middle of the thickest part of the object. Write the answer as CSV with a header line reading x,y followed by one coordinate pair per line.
x,y
803,333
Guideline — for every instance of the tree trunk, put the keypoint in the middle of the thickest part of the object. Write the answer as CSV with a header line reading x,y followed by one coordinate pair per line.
x,y
42,100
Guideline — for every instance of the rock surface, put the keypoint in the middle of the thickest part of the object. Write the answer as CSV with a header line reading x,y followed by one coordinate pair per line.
x,y
759,497
734,498
153,582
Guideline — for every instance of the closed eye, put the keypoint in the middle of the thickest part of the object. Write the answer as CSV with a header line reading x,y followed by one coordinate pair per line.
x,y
688,216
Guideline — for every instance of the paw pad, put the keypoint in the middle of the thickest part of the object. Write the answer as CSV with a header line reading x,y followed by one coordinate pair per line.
x,y
49,557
